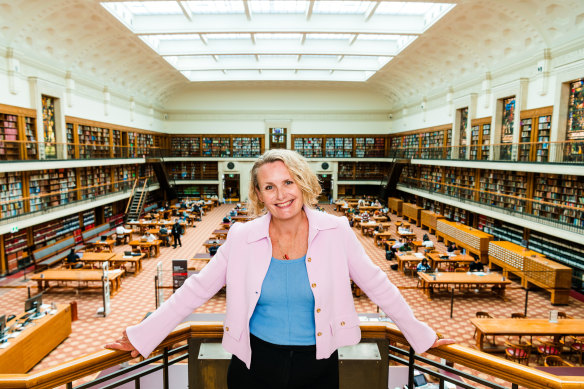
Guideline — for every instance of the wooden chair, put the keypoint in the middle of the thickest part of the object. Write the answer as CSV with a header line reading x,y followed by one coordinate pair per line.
x,y
518,352
563,315
554,360
576,347
548,348
460,270
411,267
518,315
482,315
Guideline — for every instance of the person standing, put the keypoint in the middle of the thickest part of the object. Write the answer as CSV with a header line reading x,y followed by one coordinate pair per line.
x,y
287,275
176,233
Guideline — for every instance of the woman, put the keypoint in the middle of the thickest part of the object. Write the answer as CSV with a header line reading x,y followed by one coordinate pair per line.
x,y
288,277
423,266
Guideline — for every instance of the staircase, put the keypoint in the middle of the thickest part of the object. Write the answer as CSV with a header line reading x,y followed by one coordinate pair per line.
x,y
389,182
136,201
167,185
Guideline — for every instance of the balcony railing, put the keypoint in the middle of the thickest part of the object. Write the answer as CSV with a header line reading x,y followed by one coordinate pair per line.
x,y
561,216
392,345
45,202
566,152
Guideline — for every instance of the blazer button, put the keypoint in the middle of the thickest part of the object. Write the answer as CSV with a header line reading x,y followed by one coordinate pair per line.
x,y
317,310
314,285
226,328
342,323
319,334
309,259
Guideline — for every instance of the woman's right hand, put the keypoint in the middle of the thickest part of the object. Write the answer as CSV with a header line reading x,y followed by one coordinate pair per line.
x,y
123,344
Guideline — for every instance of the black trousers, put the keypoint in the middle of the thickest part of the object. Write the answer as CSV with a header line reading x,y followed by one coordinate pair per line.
x,y
283,367
177,240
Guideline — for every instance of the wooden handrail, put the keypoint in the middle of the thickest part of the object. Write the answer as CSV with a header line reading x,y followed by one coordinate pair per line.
x,y
93,363
420,147
142,195
131,196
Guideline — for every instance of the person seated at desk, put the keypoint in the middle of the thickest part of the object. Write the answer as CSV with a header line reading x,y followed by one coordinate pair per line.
x,y
405,247
477,265
427,243
73,260
233,212
398,245
377,203
183,205
163,235
213,249
121,230
403,230
148,238
364,217
452,248
226,220
423,267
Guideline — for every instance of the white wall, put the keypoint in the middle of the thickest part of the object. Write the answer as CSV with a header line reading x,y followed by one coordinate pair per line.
x,y
237,109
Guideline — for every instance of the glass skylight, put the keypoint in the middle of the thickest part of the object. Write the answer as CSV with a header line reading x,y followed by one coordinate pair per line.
x,y
216,7
278,6
232,40
341,7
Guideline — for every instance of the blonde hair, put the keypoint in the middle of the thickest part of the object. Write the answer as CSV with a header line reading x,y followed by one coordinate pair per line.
x,y
298,168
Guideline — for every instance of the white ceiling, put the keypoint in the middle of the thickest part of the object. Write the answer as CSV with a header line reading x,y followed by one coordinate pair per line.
x,y
475,37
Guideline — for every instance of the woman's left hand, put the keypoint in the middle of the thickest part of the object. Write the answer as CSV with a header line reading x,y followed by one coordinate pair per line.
x,y
442,342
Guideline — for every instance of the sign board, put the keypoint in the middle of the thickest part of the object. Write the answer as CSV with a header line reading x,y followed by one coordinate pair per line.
x,y
106,290
159,286
179,273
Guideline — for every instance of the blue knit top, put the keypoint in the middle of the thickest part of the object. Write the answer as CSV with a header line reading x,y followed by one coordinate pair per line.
x,y
284,313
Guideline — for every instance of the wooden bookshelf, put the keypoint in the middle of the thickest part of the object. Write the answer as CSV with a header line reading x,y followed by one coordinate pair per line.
x,y
216,146
493,184
428,220
471,239
395,205
15,250
412,212
362,171
247,146
563,190
9,148
480,139
88,219
11,189
31,146
336,146
197,191
535,135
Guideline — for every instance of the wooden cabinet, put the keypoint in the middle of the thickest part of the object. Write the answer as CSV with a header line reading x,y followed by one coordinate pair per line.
x,y
395,205
471,239
535,134
428,220
412,212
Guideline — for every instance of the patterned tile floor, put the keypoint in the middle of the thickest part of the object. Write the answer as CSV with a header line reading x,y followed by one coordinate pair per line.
x,y
136,298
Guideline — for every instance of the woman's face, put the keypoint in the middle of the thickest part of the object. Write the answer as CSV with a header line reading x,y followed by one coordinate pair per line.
x,y
278,191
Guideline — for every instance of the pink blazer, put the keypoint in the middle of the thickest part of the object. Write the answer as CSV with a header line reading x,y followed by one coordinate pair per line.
x,y
334,257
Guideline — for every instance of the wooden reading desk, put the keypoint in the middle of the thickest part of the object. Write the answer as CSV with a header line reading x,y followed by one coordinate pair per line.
x,y
211,242
35,341
149,245
220,234
459,279
79,276
406,258
525,327
435,259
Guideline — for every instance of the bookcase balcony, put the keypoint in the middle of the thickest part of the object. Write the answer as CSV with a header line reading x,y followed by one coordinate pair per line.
x,y
566,152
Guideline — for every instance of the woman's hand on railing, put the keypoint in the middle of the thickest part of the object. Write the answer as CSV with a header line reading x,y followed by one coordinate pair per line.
x,y
442,342
123,344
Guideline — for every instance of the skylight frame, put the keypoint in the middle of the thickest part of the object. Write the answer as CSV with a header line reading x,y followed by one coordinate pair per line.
x,y
186,43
